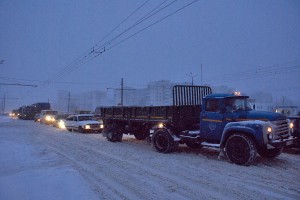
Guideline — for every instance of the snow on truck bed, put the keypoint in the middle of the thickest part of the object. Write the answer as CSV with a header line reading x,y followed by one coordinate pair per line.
x,y
42,162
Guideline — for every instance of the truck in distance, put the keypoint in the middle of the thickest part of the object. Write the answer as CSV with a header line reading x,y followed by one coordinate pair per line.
x,y
199,118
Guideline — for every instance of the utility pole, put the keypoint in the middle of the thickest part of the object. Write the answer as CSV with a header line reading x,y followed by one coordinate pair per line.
x,y
69,101
122,91
4,102
69,97
192,76
201,75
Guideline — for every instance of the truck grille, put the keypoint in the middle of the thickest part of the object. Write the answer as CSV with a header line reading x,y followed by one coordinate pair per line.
x,y
281,129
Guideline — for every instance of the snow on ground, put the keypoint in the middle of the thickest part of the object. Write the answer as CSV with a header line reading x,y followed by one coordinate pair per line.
x,y
43,162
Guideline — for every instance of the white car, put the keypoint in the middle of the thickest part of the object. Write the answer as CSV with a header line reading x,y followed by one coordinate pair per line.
x,y
83,123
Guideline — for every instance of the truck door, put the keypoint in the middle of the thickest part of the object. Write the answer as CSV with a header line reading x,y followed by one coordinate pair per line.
x,y
212,120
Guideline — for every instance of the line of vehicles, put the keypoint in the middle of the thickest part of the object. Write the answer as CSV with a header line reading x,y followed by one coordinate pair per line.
x,y
82,123
197,118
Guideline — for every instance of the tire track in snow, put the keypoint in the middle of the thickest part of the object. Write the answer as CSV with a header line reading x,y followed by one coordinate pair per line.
x,y
181,186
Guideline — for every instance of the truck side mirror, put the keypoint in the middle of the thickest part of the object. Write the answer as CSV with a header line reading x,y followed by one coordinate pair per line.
x,y
253,106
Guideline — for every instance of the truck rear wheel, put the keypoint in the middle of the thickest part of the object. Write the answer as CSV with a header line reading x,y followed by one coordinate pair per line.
x,y
240,149
270,153
163,142
114,134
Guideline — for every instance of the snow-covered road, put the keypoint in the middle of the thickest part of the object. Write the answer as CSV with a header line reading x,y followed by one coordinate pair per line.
x,y
43,162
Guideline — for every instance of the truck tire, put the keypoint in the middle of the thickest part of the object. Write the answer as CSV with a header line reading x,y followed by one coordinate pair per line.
x,y
241,149
163,142
270,153
114,134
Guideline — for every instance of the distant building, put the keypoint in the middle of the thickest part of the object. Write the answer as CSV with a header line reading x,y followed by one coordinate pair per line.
x,y
160,93
67,101
263,101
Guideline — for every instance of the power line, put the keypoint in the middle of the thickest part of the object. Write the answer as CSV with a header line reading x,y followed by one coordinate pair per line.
x,y
18,84
145,17
256,73
156,22
81,60
76,67
88,58
116,27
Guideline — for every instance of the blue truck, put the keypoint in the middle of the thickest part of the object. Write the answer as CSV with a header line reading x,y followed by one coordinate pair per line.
x,y
199,118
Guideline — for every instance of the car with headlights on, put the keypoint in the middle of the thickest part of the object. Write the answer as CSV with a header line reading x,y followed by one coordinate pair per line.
x,y
37,117
47,116
60,120
83,123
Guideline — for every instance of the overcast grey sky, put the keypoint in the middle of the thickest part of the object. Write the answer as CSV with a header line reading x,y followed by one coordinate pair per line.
x,y
247,45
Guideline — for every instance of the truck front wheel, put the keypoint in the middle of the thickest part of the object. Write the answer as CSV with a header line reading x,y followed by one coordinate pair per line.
x,y
163,142
240,149
270,153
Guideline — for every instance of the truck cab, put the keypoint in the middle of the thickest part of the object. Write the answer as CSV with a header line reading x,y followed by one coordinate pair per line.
x,y
228,120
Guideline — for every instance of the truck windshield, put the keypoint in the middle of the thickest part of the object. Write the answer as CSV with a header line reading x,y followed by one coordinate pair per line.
x,y
235,104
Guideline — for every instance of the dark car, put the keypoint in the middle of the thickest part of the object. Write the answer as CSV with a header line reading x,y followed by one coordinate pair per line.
x,y
37,117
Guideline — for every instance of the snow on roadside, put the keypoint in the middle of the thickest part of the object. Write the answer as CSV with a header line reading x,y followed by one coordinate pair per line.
x,y
32,172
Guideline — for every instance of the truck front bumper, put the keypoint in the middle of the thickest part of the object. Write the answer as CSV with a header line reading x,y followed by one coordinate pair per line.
x,y
281,142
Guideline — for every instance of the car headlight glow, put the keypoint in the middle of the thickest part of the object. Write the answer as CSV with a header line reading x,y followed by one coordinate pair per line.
x,y
101,126
61,124
48,118
87,127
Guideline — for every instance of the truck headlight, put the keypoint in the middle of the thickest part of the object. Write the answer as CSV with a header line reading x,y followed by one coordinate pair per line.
x,y
269,129
101,126
160,125
87,127
291,125
270,132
